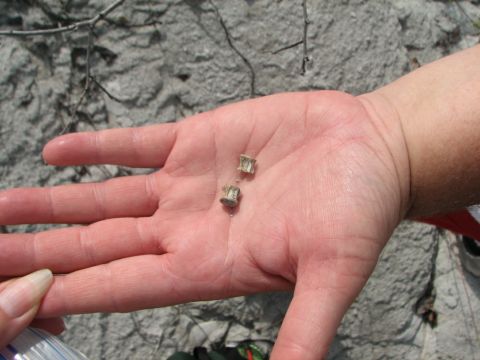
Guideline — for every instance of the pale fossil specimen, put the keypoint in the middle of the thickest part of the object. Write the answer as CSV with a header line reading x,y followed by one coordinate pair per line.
x,y
231,193
247,164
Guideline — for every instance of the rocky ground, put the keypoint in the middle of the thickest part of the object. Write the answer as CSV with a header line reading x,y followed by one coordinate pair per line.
x,y
162,61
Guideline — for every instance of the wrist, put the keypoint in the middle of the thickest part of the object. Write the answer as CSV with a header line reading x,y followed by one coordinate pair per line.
x,y
438,108
385,118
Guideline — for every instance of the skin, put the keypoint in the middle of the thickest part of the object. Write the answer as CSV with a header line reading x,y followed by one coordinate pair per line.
x,y
27,300
335,176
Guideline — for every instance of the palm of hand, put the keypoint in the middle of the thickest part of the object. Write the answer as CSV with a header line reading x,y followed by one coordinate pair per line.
x,y
325,197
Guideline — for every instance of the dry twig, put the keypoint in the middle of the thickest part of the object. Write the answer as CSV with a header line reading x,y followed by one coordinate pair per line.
x,y
108,93
87,81
306,22
247,62
291,46
90,23
305,58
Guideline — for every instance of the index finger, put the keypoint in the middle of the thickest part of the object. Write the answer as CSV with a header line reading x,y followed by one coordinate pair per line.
x,y
147,146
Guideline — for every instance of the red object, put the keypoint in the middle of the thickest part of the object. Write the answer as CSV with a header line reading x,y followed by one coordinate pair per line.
x,y
249,354
460,222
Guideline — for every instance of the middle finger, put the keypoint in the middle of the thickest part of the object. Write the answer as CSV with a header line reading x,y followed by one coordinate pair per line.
x,y
80,203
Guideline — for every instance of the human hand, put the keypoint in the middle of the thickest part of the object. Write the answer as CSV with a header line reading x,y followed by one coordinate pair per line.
x,y
332,183
19,303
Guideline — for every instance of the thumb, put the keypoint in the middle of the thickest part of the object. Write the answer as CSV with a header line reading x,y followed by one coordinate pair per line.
x,y
19,302
312,320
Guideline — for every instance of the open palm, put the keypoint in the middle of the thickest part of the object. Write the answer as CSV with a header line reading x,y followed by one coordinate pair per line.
x,y
330,186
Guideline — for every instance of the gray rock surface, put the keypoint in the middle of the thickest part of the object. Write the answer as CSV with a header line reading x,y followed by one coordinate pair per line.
x,y
166,60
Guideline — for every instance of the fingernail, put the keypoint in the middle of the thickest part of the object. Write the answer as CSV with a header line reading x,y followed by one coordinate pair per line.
x,y
24,293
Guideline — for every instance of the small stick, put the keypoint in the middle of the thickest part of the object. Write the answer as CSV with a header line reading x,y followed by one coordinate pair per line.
x,y
101,87
87,82
291,46
69,28
306,22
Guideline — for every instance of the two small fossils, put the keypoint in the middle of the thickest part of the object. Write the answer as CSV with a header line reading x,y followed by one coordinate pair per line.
x,y
231,193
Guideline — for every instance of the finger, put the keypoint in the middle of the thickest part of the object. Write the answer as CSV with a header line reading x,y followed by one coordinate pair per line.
x,y
126,285
312,319
54,326
80,203
69,249
136,147
19,302
11,328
